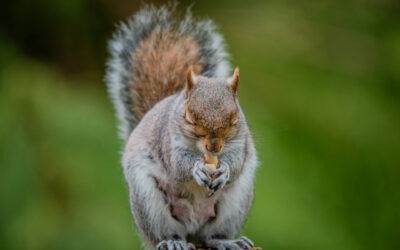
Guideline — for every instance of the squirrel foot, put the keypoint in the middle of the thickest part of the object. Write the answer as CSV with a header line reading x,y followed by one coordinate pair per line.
x,y
238,244
174,245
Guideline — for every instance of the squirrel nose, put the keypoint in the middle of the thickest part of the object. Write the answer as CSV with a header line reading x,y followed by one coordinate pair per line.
x,y
213,148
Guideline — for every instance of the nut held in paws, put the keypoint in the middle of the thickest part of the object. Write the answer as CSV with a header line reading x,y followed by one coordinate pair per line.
x,y
211,162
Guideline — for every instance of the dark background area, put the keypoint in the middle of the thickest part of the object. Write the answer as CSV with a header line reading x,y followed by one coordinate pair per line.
x,y
320,85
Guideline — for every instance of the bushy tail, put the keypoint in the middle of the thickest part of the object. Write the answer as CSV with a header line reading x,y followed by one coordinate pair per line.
x,y
150,57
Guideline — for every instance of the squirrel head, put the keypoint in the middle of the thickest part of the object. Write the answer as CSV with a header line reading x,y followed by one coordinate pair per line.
x,y
211,114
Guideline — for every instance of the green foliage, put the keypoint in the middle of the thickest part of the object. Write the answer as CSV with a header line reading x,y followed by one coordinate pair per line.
x,y
320,87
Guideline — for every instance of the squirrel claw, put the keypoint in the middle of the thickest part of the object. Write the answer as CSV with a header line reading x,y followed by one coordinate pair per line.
x,y
221,179
238,244
202,175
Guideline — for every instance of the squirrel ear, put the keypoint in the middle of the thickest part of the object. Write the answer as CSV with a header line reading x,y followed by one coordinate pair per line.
x,y
233,82
191,80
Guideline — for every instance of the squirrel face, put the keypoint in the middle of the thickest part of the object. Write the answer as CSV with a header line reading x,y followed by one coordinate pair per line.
x,y
211,114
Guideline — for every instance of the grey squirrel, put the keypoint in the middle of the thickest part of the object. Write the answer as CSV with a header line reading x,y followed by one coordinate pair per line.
x,y
168,77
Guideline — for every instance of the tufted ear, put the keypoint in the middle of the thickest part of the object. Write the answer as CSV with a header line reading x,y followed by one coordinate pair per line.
x,y
191,81
233,82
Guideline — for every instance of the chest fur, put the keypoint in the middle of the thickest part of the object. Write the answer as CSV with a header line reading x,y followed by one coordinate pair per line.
x,y
191,204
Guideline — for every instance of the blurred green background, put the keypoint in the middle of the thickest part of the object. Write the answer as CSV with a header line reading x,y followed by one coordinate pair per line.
x,y
320,85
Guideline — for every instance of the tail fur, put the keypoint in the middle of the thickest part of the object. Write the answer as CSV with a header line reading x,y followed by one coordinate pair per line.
x,y
150,57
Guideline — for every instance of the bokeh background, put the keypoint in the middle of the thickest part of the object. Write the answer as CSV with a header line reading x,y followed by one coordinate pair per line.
x,y
320,84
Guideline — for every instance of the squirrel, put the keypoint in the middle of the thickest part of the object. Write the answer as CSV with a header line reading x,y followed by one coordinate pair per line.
x,y
168,76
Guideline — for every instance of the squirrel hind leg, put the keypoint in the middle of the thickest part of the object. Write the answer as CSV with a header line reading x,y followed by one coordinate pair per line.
x,y
175,244
241,243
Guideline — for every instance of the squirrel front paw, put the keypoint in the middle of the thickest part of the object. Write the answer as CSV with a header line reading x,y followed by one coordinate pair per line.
x,y
215,180
220,177
202,175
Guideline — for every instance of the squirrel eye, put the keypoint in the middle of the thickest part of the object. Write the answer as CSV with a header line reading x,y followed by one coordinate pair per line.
x,y
188,118
197,136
